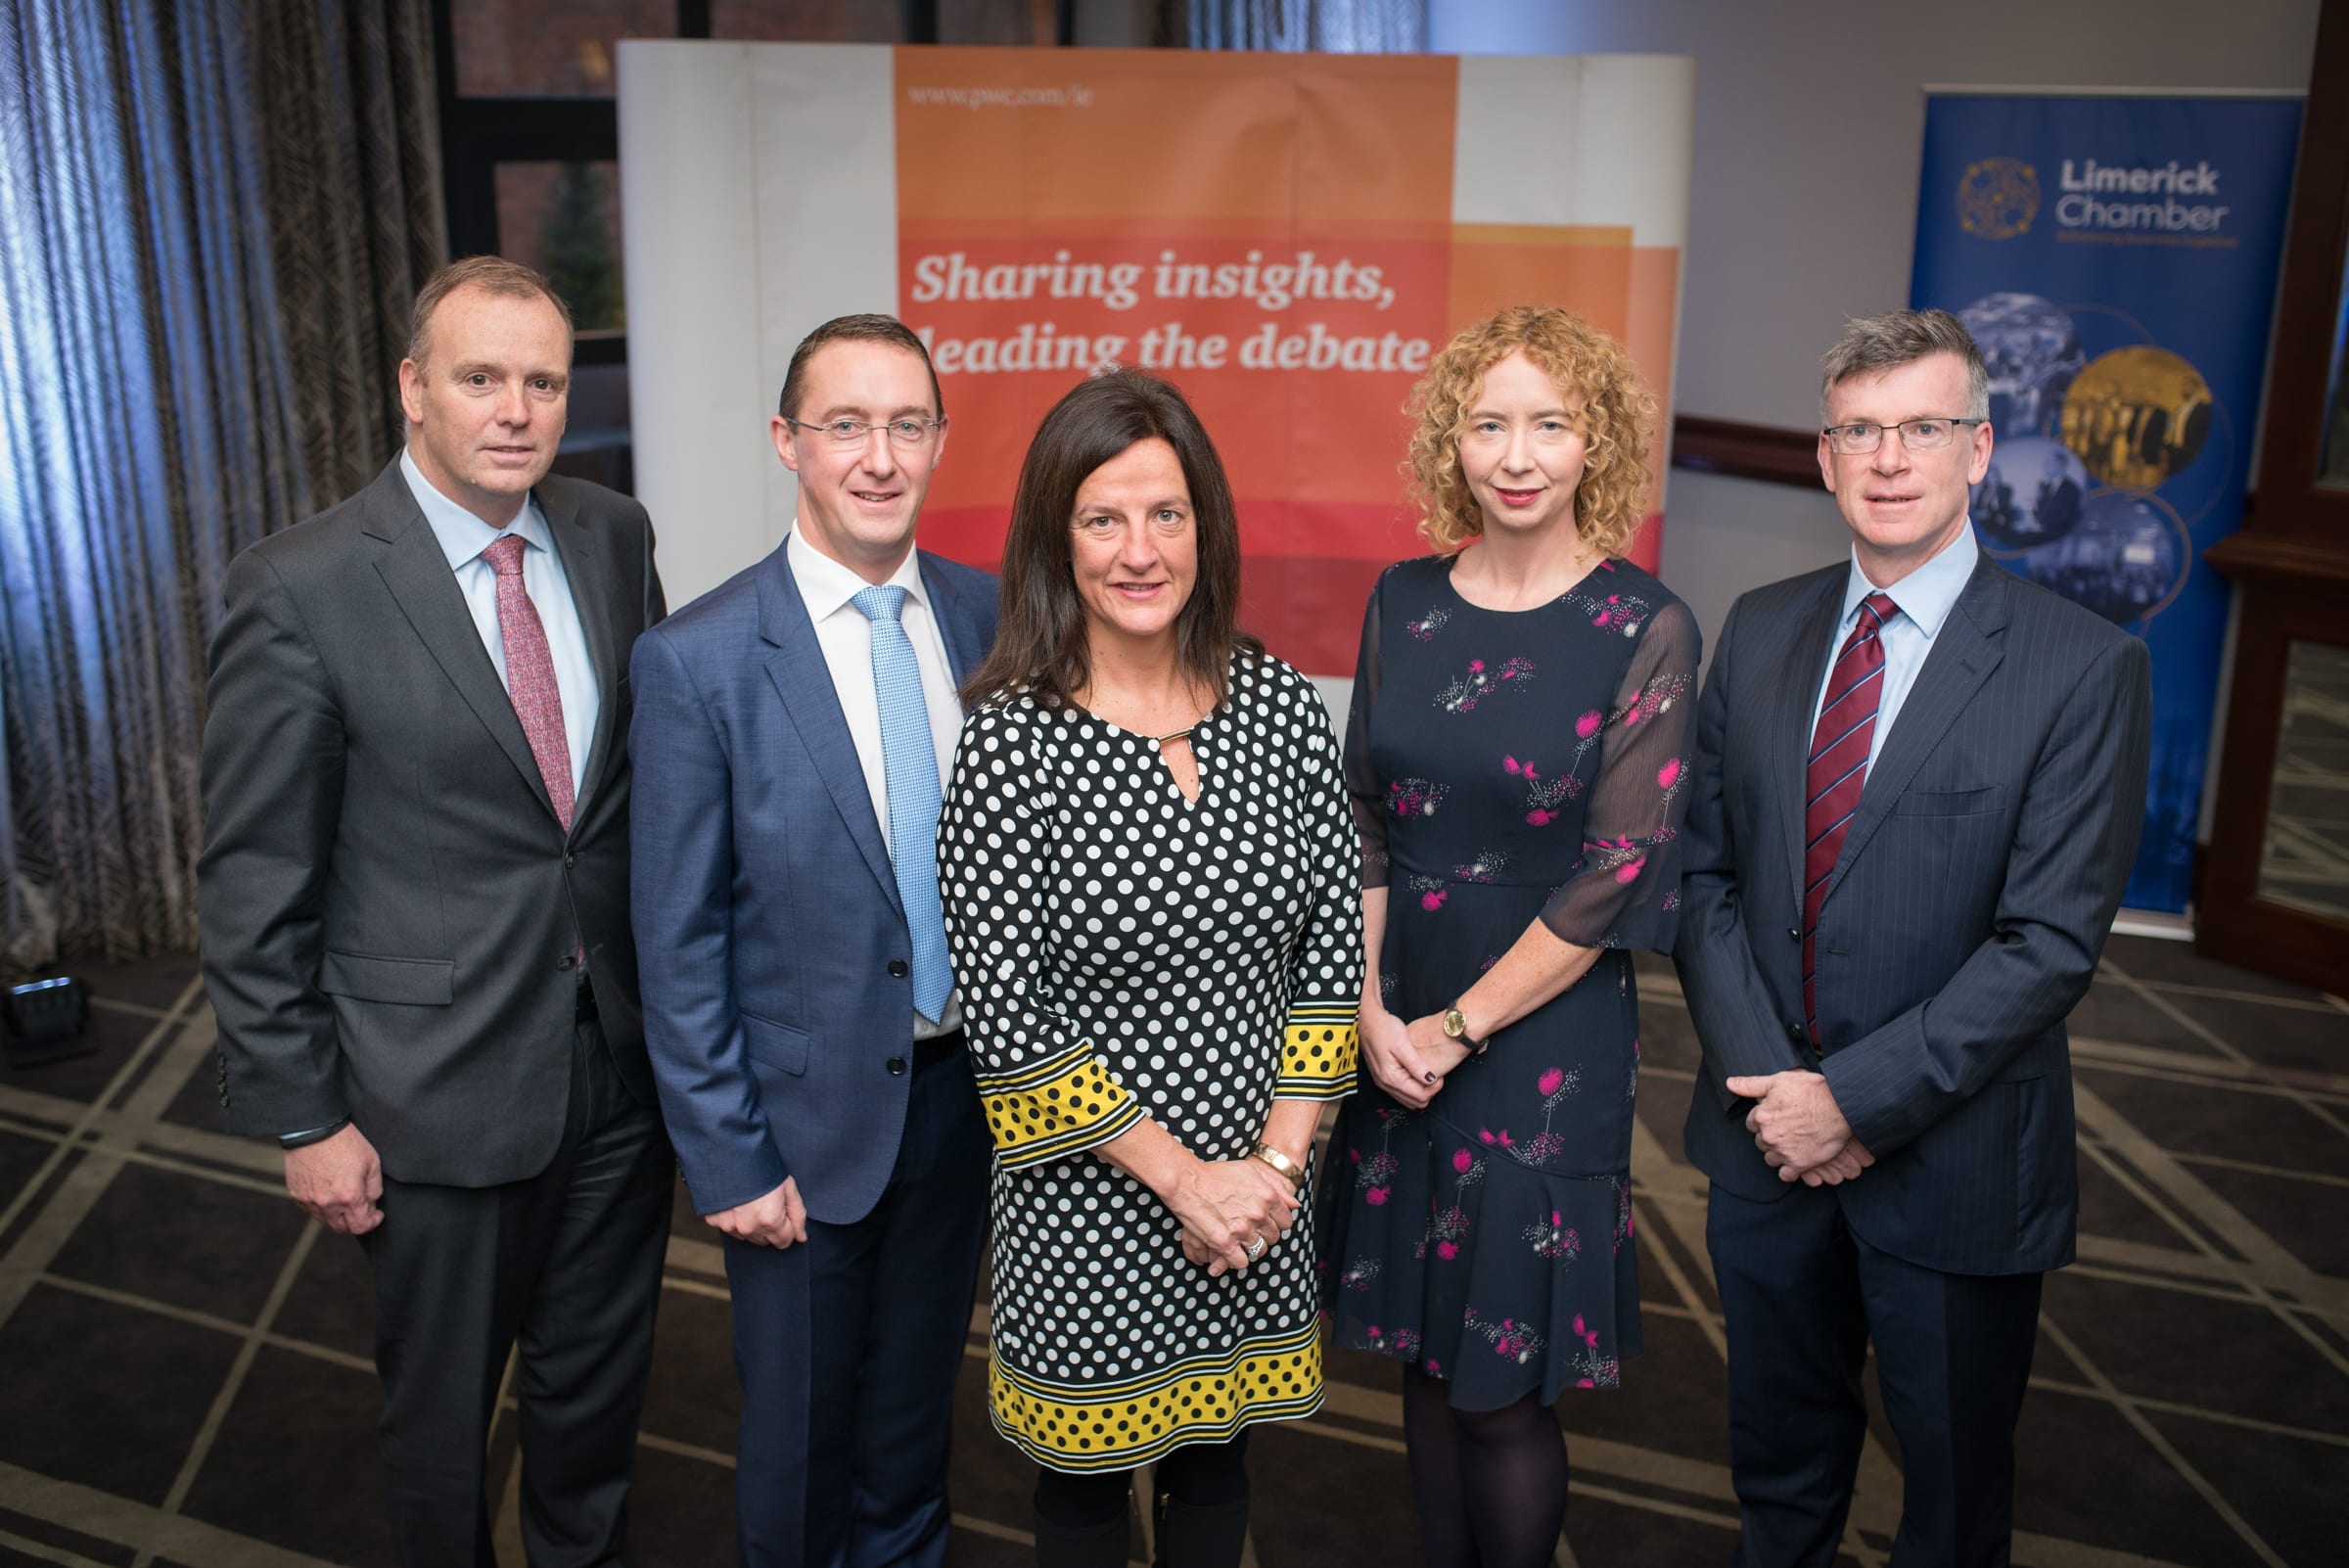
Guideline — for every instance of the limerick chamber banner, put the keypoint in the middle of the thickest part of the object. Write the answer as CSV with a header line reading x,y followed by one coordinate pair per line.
x,y
2115,256
1287,237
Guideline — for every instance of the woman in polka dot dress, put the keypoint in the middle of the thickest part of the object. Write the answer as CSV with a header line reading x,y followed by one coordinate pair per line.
x,y
1520,726
1152,893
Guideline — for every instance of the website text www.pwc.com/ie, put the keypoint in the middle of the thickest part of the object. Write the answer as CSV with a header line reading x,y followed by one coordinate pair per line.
x,y
1001,97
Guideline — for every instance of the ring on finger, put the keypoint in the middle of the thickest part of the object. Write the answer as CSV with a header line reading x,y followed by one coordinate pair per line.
x,y
1254,1248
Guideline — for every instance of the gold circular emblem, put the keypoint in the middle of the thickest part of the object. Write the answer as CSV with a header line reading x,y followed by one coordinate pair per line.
x,y
2137,415
1997,198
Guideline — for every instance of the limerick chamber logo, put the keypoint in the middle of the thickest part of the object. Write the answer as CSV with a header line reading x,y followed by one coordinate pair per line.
x,y
1997,198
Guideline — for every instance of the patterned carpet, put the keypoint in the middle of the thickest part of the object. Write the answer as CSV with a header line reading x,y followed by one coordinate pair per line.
x,y
184,1375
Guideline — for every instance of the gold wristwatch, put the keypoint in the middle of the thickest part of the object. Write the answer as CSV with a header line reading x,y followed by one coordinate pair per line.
x,y
1455,1026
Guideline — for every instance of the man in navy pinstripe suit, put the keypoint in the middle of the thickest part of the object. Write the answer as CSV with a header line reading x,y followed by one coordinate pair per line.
x,y
1919,788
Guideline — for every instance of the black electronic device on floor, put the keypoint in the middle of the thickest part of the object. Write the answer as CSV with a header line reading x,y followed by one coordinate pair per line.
x,y
44,1021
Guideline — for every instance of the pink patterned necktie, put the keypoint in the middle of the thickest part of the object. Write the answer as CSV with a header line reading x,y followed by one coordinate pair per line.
x,y
1838,771
531,674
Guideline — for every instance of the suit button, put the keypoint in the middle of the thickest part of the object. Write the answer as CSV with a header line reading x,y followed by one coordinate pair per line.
x,y
897,1067
1794,1031
897,969
566,963
1794,933
570,860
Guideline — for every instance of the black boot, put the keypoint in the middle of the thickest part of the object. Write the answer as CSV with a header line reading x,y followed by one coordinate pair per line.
x,y
1098,1545
1200,1534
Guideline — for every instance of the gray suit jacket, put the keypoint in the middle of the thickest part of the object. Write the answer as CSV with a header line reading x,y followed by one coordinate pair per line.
x,y
390,907
1964,919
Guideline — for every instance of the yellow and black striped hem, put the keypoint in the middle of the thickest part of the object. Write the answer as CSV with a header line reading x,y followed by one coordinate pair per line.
x,y
1097,1426
1318,1051
1055,1108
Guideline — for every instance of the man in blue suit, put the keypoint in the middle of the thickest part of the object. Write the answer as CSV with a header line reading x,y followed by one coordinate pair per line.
x,y
1917,793
794,730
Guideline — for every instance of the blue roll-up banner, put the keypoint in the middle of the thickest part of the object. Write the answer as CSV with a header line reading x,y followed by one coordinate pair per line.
x,y
2115,256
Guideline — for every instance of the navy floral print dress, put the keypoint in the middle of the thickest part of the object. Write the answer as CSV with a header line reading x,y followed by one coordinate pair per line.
x,y
1506,766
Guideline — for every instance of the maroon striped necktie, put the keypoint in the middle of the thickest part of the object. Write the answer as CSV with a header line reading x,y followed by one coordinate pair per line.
x,y
531,674
1838,771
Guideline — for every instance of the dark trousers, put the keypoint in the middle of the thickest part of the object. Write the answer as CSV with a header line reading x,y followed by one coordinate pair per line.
x,y
848,1346
1803,1295
568,1263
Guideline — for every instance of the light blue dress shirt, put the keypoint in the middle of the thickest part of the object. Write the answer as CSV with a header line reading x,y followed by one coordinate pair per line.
x,y
1925,598
463,537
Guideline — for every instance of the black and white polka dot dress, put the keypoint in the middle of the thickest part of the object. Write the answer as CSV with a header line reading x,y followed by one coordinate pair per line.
x,y
1123,953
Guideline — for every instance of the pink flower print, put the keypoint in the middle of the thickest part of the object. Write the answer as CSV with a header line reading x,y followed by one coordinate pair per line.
x,y
1446,1250
1431,902
1360,1274
1554,1240
1461,1160
1630,870
1524,770
1548,1081
1587,726
1588,1336
1668,774
1376,1197
1538,817
1476,666
1426,626
1484,1135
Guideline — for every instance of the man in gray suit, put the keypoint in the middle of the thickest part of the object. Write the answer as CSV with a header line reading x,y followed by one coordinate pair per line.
x,y
414,897
1917,793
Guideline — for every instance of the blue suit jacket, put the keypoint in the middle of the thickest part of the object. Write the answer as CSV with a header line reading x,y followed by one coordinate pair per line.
x,y
766,911
1964,920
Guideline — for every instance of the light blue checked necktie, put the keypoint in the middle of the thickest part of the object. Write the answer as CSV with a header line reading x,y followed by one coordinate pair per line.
x,y
910,771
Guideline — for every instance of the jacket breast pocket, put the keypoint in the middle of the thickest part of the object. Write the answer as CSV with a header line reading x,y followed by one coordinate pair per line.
x,y
1947,803
777,1045
407,982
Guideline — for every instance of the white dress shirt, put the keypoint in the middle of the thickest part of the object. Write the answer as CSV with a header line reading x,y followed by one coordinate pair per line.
x,y
1925,597
463,537
846,636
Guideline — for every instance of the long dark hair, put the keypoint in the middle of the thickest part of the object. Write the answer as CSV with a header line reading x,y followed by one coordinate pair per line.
x,y
1040,645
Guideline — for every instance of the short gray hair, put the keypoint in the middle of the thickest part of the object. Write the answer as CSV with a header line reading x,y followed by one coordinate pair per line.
x,y
1873,345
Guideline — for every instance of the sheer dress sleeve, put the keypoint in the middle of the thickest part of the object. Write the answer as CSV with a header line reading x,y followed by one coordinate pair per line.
x,y
1362,786
1626,892
1047,1094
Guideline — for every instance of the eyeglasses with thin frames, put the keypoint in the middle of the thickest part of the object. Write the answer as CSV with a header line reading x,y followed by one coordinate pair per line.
x,y
857,432
1925,435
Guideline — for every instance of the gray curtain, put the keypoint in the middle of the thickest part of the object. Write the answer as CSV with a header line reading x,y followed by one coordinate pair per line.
x,y
1336,27
167,169
350,144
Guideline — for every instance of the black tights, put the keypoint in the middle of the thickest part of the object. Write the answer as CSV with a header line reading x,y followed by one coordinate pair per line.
x,y
1210,1474
1081,1519
1491,1484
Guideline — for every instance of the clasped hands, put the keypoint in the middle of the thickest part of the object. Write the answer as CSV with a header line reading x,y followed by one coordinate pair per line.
x,y
1408,1060
1226,1205
1800,1130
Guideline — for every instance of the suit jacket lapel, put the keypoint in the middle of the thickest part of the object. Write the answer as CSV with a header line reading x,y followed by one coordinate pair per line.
x,y
804,683
1800,670
957,624
416,572
591,597
1970,646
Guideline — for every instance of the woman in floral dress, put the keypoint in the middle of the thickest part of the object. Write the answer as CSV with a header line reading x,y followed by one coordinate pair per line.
x,y
1520,728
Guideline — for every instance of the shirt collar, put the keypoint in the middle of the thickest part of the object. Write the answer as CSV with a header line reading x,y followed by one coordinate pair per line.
x,y
1927,595
462,536
826,586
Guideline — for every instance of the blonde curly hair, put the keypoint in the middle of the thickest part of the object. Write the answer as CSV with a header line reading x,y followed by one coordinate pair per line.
x,y
1585,363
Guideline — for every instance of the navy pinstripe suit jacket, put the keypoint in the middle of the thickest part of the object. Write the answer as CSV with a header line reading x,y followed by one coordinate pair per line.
x,y
1965,916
